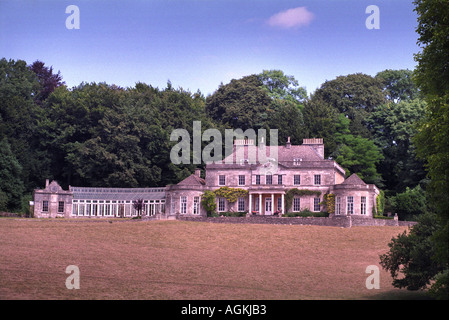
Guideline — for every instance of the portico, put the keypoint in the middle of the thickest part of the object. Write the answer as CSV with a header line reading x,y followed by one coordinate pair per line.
x,y
266,201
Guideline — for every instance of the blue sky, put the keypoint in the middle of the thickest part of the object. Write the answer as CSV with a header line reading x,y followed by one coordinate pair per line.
x,y
198,44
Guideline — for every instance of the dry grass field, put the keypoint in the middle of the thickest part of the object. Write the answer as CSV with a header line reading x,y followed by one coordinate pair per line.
x,y
191,260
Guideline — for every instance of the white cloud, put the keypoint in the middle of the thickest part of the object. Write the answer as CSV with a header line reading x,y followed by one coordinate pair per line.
x,y
291,18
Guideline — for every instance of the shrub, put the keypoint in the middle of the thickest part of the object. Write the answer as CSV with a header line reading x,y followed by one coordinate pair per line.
x,y
232,214
306,213
208,202
409,203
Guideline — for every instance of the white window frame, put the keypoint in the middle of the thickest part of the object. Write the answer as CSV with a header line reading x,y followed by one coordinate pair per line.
x,y
108,209
196,205
269,179
242,180
280,179
221,204
349,205
172,205
296,204
316,205
317,179
338,205
297,180
45,206
222,180
59,206
363,205
74,207
183,204
81,208
241,204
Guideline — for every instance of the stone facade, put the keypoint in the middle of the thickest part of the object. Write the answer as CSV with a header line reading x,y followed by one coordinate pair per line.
x,y
52,201
266,173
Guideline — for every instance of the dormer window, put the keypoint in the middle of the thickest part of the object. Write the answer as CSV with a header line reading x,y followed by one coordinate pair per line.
x,y
297,161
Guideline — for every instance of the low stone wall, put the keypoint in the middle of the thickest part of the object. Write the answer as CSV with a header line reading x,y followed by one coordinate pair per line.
x,y
333,221
9,214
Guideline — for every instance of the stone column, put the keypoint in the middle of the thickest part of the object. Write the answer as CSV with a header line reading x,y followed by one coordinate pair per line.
x,y
260,203
282,203
272,204
250,204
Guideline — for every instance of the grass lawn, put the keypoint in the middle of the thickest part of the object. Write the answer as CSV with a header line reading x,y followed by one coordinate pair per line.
x,y
191,260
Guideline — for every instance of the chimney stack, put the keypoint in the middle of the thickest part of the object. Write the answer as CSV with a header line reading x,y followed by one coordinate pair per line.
x,y
198,172
46,183
315,143
288,145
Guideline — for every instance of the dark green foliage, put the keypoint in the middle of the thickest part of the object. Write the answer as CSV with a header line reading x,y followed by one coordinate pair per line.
x,y
432,139
393,126
306,213
398,85
208,202
320,121
11,186
230,214
19,114
409,203
410,259
356,154
354,95
240,104
281,87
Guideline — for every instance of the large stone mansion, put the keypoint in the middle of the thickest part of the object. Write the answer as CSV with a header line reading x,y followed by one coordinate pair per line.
x,y
267,181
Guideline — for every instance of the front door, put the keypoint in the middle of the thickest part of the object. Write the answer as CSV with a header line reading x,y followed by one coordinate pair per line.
x,y
268,206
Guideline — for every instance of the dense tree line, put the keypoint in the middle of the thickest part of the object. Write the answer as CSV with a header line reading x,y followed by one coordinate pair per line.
x,y
419,259
103,135
391,129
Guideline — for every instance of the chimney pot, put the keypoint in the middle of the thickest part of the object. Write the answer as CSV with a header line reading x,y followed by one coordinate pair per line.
x,y
288,145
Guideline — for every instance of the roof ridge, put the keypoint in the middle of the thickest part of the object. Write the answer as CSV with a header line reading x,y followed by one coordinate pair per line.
x,y
354,179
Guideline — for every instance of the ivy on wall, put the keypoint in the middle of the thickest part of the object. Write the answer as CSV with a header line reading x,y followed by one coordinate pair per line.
x,y
230,194
208,202
380,202
329,202
291,193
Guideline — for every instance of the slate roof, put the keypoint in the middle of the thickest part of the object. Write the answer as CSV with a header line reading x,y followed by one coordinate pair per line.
x,y
192,180
284,155
354,180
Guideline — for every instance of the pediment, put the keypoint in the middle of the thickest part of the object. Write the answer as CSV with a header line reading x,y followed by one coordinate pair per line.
x,y
271,166
54,187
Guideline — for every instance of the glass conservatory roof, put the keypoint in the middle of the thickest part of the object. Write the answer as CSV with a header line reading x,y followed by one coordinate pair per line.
x,y
126,194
